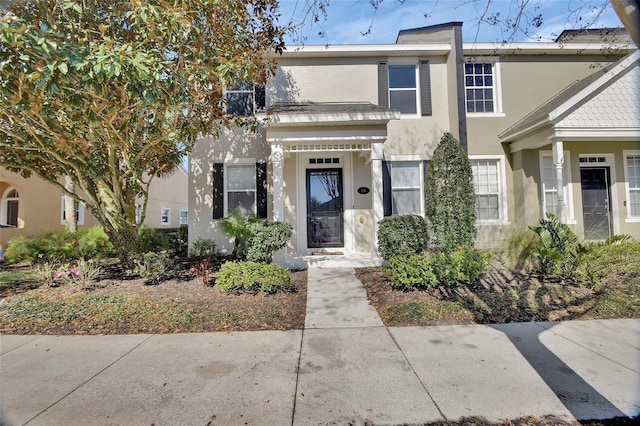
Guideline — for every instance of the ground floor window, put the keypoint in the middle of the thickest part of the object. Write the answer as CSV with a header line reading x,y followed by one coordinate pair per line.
x,y
165,216
406,188
549,184
632,170
240,188
184,217
9,208
79,213
490,188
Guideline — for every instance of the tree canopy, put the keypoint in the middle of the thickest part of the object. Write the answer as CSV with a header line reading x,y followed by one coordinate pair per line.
x,y
113,93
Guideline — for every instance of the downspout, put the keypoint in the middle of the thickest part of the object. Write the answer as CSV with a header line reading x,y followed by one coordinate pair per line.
x,y
462,110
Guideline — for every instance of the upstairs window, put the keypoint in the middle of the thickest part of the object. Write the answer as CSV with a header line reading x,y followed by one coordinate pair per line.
x,y
481,94
245,99
165,216
403,91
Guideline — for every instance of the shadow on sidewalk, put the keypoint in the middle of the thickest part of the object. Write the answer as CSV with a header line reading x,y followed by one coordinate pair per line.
x,y
581,399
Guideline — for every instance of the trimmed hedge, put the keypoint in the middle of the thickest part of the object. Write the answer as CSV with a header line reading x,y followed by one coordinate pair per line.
x,y
267,236
435,269
402,235
253,276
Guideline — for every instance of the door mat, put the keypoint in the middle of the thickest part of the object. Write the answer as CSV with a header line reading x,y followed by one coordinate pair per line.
x,y
327,253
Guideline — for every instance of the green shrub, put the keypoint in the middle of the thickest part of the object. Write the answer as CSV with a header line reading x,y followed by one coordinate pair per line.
x,y
431,270
238,227
253,276
449,194
153,266
266,238
402,235
409,272
558,252
519,246
203,248
60,246
619,254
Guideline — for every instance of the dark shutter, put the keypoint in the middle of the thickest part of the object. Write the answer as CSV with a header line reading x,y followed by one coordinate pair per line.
x,y
425,88
425,171
260,97
218,190
383,84
261,190
386,189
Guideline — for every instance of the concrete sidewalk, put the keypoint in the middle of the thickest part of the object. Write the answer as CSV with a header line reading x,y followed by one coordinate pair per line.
x,y
337,375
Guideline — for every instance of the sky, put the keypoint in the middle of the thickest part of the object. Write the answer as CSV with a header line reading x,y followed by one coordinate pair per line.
x,y
348,19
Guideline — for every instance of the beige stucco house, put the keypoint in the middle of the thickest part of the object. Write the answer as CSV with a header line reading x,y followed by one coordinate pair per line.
x,y
33,206
349,131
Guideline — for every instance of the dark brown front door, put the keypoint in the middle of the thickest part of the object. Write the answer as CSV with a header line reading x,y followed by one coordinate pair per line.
x,y
596,211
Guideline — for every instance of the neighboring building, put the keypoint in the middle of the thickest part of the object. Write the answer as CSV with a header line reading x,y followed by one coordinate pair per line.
x,y
350,131
33,206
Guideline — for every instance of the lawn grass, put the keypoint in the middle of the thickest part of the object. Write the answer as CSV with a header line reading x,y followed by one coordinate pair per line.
x,y
431,310
10,276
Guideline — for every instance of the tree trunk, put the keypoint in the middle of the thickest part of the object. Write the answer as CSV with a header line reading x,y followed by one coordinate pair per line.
x,y
70,206
125,241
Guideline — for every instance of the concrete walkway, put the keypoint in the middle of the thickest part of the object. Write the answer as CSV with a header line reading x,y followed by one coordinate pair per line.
x,y
329,373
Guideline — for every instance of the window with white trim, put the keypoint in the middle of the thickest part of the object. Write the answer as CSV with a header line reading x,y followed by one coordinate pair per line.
x,y
9,208
403,88
244,99
490,189
632,169
406,188
481,87
79,213
184,217
548,185
240,188
165,216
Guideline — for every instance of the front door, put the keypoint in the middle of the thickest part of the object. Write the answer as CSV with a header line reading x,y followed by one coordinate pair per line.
x,y
595,203
325,226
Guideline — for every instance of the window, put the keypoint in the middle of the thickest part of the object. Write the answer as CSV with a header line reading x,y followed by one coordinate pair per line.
x,y
79,212
245,99
240,188
632,170
184,217
481,87
489,187
548,183
165,216
403,91
406,189
9,208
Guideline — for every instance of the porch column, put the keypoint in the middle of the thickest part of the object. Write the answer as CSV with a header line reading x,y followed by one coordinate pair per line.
x,y
558,161
377,197
277,163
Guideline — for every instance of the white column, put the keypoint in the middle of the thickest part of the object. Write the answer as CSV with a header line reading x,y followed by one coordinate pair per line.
x,y
558,161
277,175
377,196
277,163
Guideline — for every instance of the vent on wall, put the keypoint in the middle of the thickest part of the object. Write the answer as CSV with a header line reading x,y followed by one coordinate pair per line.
x,y
324,161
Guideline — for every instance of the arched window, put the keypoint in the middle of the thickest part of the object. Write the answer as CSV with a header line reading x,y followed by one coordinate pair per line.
x,y
9,208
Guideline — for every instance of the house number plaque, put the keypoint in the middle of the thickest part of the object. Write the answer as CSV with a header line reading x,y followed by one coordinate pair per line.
x,y
363,190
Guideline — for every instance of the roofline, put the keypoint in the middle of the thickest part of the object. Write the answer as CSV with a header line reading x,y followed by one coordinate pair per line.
x,y
443,49
543,48
428,27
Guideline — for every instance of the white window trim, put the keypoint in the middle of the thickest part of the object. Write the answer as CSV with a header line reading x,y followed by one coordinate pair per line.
x,y
407,159
497,86
416,67
568,186
227,91
168,210
627,189
184,211
237,162
80,218
503,209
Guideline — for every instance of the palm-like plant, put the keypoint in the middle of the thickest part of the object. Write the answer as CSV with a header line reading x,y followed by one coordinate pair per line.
x,y
238,227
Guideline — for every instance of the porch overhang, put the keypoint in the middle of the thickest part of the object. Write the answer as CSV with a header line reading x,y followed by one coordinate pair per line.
x,y
334,126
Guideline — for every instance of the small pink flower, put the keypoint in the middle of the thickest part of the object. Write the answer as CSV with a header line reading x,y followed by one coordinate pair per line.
x,y
75,272
58,274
